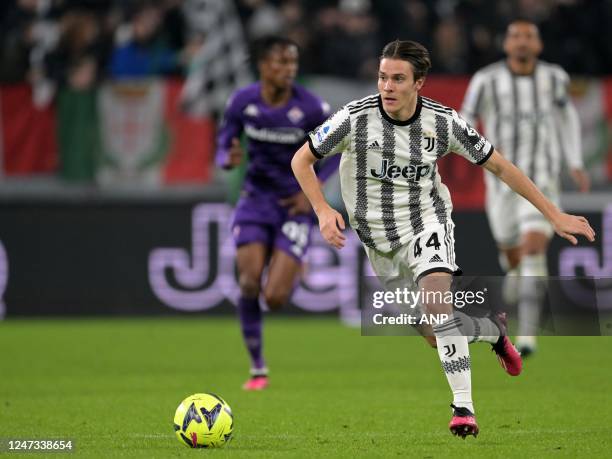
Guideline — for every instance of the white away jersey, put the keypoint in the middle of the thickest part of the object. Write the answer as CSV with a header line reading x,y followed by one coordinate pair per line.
x,y
388,173
530,118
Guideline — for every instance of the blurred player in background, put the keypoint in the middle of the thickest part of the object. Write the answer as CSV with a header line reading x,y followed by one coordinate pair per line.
x,y
273,218
401,211
527,113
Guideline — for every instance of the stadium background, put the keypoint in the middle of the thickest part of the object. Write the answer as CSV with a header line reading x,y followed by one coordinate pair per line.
x,y
116,270
108,187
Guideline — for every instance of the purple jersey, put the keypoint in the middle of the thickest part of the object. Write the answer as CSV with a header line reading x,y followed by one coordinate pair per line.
x,y
274,135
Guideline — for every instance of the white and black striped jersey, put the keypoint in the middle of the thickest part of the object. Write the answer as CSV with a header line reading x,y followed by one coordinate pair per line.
x,y
529,118
388,173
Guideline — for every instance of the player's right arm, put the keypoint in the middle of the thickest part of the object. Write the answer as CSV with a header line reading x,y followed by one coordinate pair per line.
x,y
330,221
229,152
332,137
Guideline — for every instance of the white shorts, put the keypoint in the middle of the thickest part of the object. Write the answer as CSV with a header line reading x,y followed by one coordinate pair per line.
x,y
432,250
510,215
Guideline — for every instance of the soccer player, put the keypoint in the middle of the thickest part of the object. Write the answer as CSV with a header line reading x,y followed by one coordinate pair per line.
x,y
273,218
400,209
527,113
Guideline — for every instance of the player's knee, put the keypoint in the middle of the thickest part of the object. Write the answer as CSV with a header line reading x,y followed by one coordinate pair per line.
x,y
275,299
533,249
534,243
249,286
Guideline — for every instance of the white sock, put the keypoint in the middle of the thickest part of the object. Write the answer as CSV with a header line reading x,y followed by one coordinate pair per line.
x,y
511,286
455,358
477,329
531,293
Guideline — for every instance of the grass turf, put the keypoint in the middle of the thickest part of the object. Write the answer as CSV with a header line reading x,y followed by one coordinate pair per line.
x,y
113,385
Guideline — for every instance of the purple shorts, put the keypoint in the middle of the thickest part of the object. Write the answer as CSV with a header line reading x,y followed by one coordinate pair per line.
x,y
262,219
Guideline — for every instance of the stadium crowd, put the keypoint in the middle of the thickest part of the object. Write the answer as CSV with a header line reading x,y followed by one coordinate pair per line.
x,y
77,42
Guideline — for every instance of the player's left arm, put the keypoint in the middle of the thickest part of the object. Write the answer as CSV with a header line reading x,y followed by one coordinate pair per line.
x,y
566,117
565,225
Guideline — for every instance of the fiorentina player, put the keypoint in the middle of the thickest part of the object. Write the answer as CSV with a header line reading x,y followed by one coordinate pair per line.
x,y
273,218
401,210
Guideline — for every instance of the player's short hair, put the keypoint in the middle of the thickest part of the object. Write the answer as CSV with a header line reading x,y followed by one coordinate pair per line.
x,y
263,46
522,20
409,51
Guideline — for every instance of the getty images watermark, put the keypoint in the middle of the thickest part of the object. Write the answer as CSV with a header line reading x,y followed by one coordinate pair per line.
x,y
565,306
403,299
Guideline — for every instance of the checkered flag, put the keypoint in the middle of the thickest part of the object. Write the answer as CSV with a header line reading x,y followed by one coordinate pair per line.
x,y
220,66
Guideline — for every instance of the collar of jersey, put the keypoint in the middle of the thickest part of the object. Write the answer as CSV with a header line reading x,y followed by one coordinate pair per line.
x,y
416,114
514,74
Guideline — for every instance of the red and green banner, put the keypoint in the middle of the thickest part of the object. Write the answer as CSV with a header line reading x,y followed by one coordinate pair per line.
x,y
135,133
132,133
28,143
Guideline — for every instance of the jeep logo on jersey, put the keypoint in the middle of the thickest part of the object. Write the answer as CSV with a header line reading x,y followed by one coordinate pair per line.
x,y
412,172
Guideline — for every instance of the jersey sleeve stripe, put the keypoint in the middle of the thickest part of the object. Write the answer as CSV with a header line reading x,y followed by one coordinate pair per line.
x,y
354,111
313,149
334,138
486,157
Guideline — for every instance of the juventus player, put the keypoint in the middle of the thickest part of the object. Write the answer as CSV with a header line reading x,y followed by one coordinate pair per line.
x,y
526,111
400,209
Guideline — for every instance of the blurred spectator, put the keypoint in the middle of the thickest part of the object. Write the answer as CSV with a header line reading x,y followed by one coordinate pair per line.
x,y
408,20
82,51
29,33
142,50
43,41
220,62
577,35
298,27
449,53
349,44
261,18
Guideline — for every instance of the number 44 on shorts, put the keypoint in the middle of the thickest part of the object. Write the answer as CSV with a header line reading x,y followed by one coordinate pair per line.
x,y
433,241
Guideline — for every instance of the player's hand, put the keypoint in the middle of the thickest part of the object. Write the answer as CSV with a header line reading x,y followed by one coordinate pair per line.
x,y
581,179
235,155
330,224
567,226
297,204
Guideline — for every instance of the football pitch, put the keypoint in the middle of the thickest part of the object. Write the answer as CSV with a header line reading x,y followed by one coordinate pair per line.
x,y
112,385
